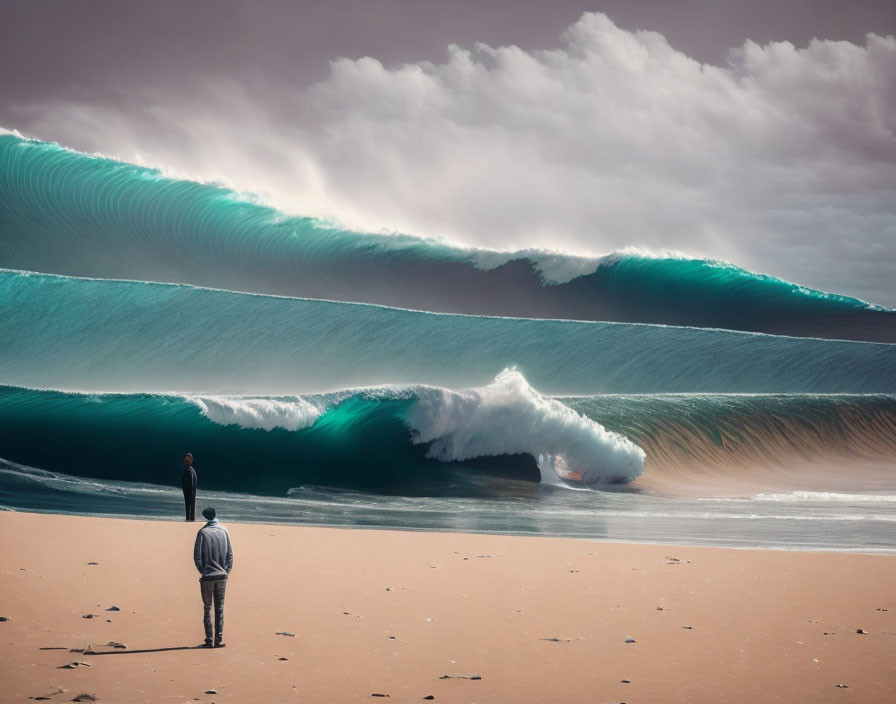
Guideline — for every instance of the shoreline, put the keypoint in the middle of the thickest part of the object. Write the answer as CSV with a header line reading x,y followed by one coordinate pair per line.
x,y
464,531
378,611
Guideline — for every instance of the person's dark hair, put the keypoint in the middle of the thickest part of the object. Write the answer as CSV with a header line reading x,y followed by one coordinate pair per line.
x,y
209,513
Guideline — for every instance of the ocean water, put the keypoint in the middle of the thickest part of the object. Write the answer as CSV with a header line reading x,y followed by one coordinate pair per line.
x,y
328,377
87,216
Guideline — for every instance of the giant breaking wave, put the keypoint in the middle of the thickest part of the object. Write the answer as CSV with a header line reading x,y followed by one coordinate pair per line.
x,y
373,438
98,335
429,440
68,213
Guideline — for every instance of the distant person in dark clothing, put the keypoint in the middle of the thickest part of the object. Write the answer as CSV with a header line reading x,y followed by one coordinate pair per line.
x,y
213,556
188,483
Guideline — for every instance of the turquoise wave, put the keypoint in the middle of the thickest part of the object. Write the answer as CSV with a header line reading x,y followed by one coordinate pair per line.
x,y
730,433
81,334
427,440
68,213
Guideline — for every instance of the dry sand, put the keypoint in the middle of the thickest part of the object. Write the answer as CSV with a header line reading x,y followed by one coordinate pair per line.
x,y
383,612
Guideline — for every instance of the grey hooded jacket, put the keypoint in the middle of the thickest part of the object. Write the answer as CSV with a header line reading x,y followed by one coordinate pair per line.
x,y
213,553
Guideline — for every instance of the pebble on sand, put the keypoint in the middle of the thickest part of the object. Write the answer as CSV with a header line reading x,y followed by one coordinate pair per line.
x,y
73,665
85,698
211,691
4,618
862,631
630,640
429,696
285,633
113,608
461,677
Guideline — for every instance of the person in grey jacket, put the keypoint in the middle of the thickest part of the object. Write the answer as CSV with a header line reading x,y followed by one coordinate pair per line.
x,y
213,556
188,484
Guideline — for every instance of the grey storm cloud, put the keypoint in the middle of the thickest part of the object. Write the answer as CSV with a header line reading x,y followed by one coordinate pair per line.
x,y
778,157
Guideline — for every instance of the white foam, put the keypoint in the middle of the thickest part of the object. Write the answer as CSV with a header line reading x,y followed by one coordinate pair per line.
x,y
826,497
267,413
557,267
510,417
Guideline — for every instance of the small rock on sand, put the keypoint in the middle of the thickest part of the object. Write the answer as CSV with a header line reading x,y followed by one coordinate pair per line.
x,y
461,677
87,616
862,631
429,696
93,563
4,618
688,628
377,694
113,608
85,698
283,658
630,640
285,633
843,686
211,691
73,665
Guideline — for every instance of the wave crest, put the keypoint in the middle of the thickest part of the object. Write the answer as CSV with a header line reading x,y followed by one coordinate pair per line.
x,y
510,417
265,413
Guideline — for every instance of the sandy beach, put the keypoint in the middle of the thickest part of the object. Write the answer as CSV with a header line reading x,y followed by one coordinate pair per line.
x,y
393,613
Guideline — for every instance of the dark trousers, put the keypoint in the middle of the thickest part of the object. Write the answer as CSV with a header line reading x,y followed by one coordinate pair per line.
x,y
213,590
190,505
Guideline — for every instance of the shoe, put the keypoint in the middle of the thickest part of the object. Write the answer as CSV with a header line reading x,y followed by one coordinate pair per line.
x,y
207,644
219,644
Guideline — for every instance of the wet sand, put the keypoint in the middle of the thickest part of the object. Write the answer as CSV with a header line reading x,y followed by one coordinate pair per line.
x,y
391,613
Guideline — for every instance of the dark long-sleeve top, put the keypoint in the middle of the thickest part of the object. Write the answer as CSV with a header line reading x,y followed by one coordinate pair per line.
x,y
188,480
213,553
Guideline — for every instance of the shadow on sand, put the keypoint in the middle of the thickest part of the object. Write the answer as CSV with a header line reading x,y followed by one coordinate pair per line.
x,y
146,650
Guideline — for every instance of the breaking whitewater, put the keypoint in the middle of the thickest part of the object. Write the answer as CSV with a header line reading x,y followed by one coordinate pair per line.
x,y
627,398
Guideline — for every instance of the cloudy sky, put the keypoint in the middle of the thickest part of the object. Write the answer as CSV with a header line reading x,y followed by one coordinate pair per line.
x,y
761,133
